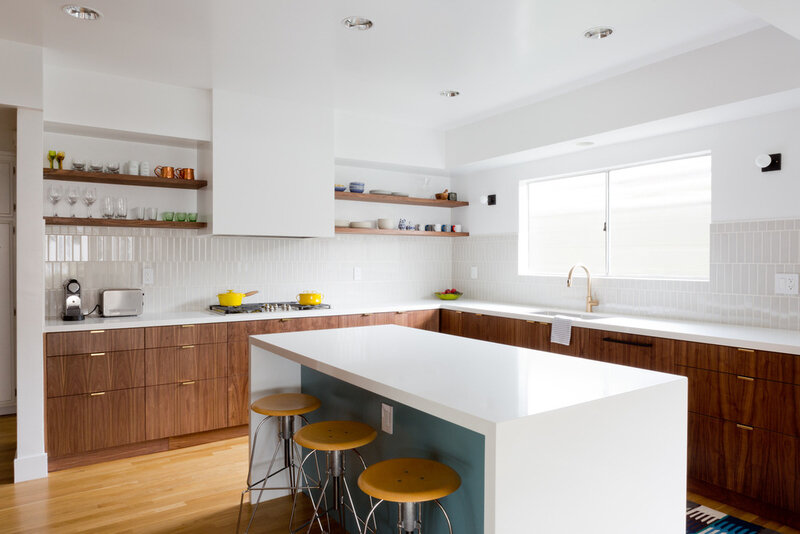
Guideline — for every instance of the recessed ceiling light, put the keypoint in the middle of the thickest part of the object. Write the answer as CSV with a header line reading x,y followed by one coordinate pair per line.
x,y
80,12
598,32
585,143
357,23
449,94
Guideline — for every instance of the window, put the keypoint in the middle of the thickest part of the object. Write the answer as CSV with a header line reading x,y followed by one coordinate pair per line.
x,y
642,221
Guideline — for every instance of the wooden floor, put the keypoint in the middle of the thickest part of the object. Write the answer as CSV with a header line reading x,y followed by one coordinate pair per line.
x,y
191,490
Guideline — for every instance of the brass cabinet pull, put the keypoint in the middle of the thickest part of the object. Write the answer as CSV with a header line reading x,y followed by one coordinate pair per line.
x,y
744,427
97,394
631,343
745,350
400,312
478,315
187,347
187,326
456,312
532,322
97,354
365,314
189,383
284,320
747,378
96,331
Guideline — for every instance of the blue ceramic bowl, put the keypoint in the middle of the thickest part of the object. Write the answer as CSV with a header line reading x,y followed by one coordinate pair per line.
x,y
356,187
339,187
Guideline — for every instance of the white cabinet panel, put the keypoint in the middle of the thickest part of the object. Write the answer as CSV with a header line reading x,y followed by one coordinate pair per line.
x,y
6,186
273,167
6,316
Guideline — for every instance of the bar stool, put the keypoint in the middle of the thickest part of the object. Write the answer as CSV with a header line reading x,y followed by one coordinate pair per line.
x,y
409,482
284,407
335,438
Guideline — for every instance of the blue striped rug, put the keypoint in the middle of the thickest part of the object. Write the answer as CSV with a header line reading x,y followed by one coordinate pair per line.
x,y
704,520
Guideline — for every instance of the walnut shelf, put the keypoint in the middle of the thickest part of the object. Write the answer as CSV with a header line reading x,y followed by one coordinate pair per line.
x,y
122,223
391,199
121,179
375,231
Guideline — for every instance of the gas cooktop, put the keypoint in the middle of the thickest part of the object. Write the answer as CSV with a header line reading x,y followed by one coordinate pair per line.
x,y
259,307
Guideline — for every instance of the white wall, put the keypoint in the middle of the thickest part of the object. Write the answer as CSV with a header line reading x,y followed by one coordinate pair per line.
x,y
112,102
20,75
740,191
366,138
720,74
31,460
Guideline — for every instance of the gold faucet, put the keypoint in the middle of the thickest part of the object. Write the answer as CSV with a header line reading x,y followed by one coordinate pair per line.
x,y
589,301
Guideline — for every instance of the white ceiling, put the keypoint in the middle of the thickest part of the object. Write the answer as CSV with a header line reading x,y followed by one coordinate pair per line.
x,y
499,53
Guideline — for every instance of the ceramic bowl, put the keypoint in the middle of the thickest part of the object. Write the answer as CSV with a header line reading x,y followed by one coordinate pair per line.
x,y
387,224
356,187
362,224
339,187
341,223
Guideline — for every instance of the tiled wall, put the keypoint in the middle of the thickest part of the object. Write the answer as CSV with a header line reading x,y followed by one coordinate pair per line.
x,y
744,259
190,269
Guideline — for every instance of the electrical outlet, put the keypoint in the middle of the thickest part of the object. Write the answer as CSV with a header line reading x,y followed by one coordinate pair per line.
x,y
786,283
473,272
356,273
492,200
387,416
147,277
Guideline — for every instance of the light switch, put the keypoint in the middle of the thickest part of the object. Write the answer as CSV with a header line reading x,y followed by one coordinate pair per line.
x,y
786,283
473,272
147,277
387,416
356,273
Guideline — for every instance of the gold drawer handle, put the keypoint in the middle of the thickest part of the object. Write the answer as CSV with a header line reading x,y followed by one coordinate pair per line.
x,y
746,378
400,313
478,315
97,354
97,394
745,350
96,331
284,320
187,347
187,326
365,314
189,383
744,427
457,312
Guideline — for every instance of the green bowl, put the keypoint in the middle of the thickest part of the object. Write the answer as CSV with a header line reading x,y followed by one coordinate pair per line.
x,y
448,296
166,215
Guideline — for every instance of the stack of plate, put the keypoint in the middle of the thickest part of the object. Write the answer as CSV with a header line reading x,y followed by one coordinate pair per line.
x,y
341,223
399,194
362,224
379,192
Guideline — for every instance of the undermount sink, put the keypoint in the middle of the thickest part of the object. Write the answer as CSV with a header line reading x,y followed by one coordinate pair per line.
x,y
572,315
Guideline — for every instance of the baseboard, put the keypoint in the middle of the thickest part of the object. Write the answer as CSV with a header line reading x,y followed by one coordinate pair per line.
x,y
30,467
8,409
748,504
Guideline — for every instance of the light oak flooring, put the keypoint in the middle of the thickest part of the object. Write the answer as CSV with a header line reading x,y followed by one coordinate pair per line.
x,y
191,490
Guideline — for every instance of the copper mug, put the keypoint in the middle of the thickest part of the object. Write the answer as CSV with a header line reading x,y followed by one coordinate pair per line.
x,y
185,174
164,172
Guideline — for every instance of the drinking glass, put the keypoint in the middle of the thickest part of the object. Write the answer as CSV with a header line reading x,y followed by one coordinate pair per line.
x,y
108,207
89,198
122,208
78,164
60,158
112,167
72,197
54,195
152,214
51,155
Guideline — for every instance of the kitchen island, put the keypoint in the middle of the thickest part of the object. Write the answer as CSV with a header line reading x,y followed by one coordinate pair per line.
x,y
543,442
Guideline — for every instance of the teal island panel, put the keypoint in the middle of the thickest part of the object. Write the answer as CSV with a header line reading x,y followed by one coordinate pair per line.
x,y
416,434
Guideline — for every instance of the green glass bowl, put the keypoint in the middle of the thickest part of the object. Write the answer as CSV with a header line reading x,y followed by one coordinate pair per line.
x,y
448,296
166,215
180,216
191,217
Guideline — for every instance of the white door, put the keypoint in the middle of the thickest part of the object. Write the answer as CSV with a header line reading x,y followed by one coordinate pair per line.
x,y
7,298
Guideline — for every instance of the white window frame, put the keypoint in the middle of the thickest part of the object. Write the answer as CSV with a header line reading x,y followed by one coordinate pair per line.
x,y
523,252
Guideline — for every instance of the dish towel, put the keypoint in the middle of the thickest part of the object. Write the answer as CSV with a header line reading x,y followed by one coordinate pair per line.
x,y
561,331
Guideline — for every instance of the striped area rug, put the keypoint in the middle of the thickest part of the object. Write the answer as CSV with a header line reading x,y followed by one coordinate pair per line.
x,y
704,520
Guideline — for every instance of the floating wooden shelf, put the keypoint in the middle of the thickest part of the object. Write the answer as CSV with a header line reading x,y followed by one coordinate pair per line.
x,y
375,231
121,223
122,179
391,199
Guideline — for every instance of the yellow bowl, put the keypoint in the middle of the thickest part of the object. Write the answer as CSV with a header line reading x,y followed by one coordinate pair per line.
x,y
310,299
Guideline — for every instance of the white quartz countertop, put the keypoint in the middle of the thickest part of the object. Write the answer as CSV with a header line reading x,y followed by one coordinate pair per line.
x,y
472,383
787,341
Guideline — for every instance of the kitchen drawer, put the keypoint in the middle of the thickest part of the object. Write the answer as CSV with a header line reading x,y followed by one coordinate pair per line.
x,y
424,319
185,407
740,361
87,341
751,401
240,331
488,328
80,423
97,371
238,400
188,362
367,319
450,322
533,335
185,334
644,352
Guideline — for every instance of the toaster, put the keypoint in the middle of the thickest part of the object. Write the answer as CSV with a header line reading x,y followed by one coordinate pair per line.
x,y
121,302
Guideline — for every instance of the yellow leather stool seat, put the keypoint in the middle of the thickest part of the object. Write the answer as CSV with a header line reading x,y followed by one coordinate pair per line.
x,y
335,435
282,404
409,480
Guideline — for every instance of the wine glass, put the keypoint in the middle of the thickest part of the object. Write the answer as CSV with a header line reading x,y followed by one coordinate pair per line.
x,y
72,197
122,208
51,155
89,198
54,195
60,158
108,207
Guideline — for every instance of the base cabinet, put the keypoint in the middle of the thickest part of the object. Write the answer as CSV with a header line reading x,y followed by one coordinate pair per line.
x,y
533,335
450,322
186,407
488,328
